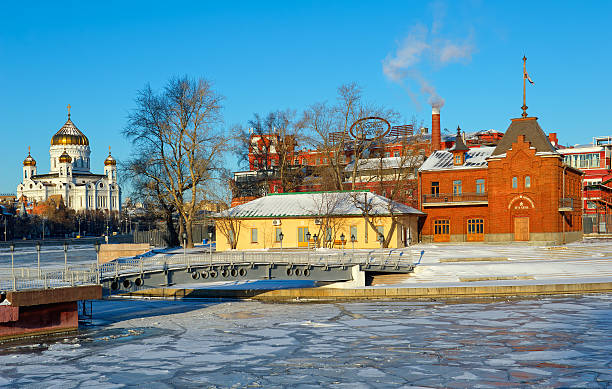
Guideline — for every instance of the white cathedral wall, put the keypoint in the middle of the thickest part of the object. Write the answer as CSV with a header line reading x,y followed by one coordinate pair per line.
x,y
80,155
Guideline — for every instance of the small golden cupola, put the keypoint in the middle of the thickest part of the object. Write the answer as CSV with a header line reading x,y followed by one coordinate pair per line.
x,y
459,149
110,161
29,161
65,158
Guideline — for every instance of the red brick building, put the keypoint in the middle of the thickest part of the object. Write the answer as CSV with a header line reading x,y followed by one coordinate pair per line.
x,y
519,190
595,160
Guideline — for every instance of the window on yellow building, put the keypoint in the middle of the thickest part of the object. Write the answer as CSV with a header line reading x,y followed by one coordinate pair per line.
x,y
380,232
277,233
253,235
353,237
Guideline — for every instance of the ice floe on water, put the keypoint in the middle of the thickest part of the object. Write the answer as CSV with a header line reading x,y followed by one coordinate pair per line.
x,y
485,343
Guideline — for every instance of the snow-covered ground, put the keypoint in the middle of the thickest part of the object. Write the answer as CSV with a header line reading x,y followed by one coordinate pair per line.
x,y
472,265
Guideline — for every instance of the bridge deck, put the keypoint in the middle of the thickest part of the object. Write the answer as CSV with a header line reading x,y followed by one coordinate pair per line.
x,y
126,275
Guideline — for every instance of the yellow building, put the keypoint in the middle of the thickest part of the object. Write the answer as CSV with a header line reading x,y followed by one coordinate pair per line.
x,y
362,220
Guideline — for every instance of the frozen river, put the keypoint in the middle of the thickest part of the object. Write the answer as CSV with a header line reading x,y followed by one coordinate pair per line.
x,y
544,342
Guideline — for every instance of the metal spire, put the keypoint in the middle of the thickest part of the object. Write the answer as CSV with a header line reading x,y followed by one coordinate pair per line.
x,y
524,107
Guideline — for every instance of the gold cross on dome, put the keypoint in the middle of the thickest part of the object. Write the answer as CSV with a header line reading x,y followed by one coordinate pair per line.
x,y
68,110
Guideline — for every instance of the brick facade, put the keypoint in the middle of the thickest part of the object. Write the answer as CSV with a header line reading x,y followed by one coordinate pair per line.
x,y
528,195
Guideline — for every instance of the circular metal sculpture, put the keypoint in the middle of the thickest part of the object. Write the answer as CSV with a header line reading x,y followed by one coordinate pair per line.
x,y
370,128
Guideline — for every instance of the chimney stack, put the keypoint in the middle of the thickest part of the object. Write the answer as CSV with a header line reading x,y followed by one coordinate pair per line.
x,y
436,138
552,137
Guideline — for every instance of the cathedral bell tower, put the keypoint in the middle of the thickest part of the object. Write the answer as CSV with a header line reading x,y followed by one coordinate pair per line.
x,y
29,167
65,165
110,167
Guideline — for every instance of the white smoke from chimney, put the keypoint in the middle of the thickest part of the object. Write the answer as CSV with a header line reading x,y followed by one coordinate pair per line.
x,y
423,44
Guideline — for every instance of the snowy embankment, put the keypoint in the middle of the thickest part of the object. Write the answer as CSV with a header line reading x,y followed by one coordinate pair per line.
x,y
512,264
471,264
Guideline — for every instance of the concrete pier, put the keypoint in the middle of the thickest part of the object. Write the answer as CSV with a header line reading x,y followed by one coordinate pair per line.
x,y
43,311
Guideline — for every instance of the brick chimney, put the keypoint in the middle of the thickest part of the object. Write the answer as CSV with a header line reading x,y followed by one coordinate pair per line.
x,y
552,137
436,139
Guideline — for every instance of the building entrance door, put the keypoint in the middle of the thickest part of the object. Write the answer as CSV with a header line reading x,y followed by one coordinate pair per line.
x,y
521,228
442,230
302,238
475,230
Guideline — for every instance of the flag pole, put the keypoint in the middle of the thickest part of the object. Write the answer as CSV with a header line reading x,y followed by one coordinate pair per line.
x,y
524,107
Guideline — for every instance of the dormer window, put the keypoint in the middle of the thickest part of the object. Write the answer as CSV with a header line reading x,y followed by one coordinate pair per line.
x,y
459,149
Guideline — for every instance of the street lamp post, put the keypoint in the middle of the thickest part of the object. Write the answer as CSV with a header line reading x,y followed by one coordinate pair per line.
x,y
316,240
38,255
353,239
308,244
342,241
281,236
13,263
65,258
381,239
97,247
184,244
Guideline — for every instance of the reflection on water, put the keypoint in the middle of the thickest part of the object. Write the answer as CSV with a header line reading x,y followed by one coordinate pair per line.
x,y
546,342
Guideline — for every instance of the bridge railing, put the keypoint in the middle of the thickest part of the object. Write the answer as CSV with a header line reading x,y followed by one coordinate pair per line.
x,y
29,278
140,265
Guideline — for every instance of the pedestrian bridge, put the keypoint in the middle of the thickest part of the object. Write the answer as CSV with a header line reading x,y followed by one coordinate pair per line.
x,y
133,274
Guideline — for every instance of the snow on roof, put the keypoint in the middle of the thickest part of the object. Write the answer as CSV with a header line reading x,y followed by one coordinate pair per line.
x,y
348,203
443,159
381,163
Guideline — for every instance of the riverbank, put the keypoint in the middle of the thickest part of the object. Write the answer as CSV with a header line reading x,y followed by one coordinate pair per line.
x,y
447,271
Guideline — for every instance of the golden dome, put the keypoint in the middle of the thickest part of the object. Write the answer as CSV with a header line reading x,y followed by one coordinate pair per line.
x,y
69,134
29,161
110,161
65,157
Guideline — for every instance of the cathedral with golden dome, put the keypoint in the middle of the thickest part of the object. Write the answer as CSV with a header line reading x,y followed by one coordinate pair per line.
x,y
70,175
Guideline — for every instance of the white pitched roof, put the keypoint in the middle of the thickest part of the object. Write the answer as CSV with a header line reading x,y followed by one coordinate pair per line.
x,y
311,204
443,159
382,163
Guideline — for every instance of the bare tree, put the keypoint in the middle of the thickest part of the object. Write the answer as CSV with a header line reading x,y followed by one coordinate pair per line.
x,y
176,136
226,221
268,144
330,125
328,207
152,192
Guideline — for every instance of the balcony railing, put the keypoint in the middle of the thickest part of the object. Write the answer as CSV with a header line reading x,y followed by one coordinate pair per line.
x,y
451,198
566,204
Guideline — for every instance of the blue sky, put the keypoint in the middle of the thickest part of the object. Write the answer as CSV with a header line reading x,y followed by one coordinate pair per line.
x,y
270,55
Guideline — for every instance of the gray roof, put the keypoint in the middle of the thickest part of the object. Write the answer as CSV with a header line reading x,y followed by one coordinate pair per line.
x,y
443,159
459,145
383,163
533,133
314,204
